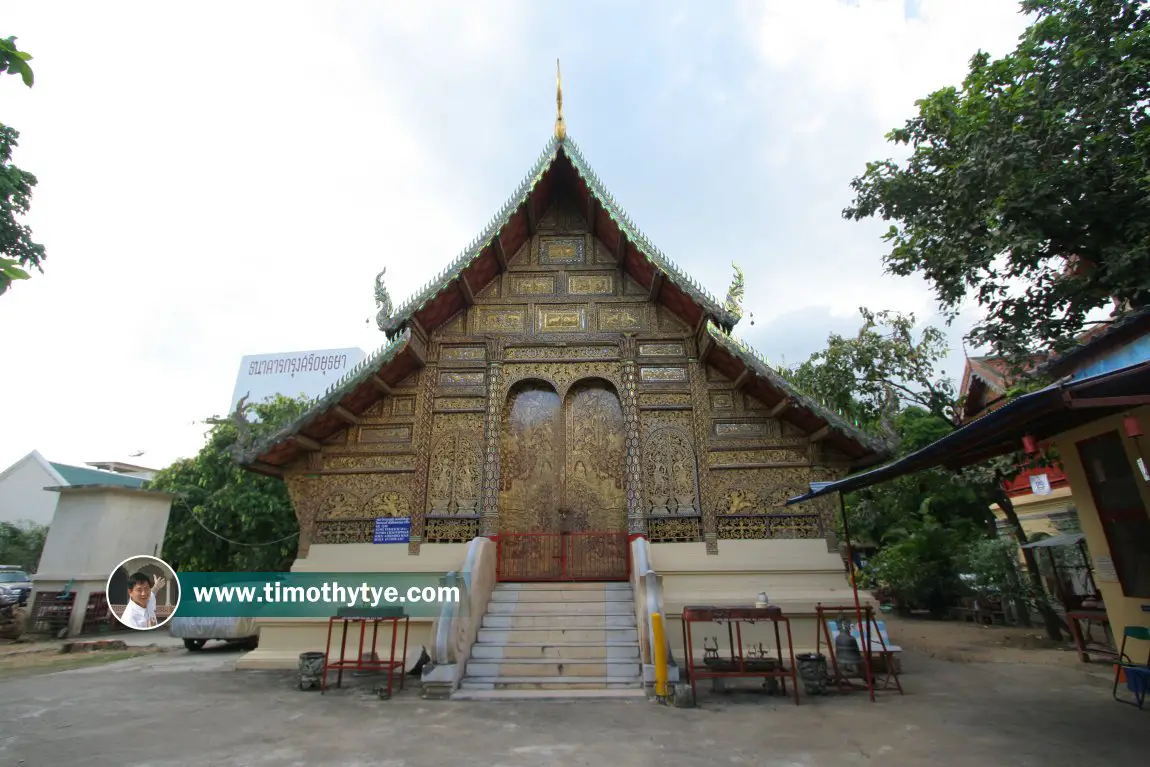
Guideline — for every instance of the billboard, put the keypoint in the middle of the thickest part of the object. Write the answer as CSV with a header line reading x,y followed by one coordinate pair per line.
x,y
292,373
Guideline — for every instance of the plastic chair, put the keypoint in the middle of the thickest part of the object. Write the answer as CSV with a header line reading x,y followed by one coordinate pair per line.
x,y
1137,677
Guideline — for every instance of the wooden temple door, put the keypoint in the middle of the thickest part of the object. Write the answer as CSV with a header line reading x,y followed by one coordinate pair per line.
x,y
562,503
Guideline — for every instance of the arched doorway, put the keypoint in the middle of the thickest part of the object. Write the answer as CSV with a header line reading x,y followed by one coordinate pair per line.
x,y
562,497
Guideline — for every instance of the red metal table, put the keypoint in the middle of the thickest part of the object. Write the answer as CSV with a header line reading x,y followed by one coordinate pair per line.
x,y
737,665
373,662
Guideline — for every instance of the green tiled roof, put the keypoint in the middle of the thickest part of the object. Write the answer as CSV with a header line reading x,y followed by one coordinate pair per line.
x,y
679,278
762,368
334,393
77,476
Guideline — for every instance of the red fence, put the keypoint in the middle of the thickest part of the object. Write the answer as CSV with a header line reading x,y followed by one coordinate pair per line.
x,y
563,557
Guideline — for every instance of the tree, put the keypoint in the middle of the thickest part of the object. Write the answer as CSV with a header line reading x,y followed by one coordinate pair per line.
x,y
1026,187
21,544
886,376
17,249
226,518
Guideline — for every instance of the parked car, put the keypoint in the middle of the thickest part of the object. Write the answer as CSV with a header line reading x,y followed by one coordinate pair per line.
x,y
197,632
15,585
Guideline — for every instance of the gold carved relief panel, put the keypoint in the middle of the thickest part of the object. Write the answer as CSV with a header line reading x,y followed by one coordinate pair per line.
x,y
561,319
529,460
462,354
392,433
561,251
670,473
591,284
664,399
455,473
500,319
456,378
665,349
620,317
663,375
595,495
560,352
532,284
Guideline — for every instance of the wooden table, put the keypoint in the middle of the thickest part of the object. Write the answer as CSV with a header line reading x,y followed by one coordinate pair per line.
x,y
736,665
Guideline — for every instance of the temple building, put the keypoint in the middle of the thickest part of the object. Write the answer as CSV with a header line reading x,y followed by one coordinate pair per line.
x,y
565,391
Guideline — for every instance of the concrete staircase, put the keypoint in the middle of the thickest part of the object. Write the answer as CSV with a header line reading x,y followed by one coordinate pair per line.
x,y
556,640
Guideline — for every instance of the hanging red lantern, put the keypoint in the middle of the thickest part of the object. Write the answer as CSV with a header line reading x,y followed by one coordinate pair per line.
x,y
1029,444
1132,426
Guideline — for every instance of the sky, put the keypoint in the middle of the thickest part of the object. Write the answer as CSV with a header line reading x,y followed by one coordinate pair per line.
x,y
222,179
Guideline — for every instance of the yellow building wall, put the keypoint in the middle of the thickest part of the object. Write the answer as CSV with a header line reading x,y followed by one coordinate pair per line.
x,y
1121,610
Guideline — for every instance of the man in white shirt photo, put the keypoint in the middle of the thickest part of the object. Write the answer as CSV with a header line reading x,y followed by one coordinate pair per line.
x,y
140,612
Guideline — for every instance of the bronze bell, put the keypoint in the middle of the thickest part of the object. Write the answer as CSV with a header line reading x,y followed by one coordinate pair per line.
x,y
846,647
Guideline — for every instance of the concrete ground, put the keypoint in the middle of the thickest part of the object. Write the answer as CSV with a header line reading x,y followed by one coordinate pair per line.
x,y
192,709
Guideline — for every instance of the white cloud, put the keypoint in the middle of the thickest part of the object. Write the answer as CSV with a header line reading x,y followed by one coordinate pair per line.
x,y
837,77
211,184
227,178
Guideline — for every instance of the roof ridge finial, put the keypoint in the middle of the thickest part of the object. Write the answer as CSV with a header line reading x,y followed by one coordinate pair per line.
x,y
560,126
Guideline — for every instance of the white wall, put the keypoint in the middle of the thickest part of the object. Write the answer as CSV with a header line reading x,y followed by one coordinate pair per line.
x,y
96,529
23,497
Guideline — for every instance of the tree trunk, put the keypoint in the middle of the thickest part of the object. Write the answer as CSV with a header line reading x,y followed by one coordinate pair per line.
x,y
1053,623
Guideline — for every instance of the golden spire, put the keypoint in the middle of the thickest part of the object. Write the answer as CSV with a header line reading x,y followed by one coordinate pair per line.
x,y
560,126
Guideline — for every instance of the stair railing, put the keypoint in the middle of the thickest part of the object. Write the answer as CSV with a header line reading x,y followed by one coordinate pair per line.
x,y
648,591
457,627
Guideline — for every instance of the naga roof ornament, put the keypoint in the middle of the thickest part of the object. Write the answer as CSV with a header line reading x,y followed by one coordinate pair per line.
x,y
382,300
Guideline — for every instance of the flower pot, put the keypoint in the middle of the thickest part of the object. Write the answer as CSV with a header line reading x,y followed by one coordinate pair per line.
x,y
813,672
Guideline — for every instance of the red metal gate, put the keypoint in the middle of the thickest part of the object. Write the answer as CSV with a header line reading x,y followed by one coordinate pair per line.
x,y
563,557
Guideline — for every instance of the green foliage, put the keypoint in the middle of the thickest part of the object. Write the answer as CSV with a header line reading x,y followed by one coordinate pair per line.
x,y
993,566
922,566
15,61
16,246
1030,175
21,544
17,249
884,367
216,494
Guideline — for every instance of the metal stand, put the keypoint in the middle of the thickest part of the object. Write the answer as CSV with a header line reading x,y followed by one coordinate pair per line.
x,y
846,682
372,664
736,665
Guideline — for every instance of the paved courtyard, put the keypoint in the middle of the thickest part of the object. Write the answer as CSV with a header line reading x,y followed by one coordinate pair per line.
x,y
180,708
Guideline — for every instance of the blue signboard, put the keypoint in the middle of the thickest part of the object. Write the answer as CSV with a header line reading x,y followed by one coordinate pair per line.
x,y
392,529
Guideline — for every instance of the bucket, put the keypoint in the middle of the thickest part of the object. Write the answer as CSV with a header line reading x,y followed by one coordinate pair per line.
x,y
311,668
813,672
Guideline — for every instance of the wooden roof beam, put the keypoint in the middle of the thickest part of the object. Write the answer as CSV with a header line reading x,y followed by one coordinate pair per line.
x,y
657,285
381,384
532,216
500,252
743,378
307,443
345,415
820,435
621,248
706,347
592,212
465,289
266,468
779,407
